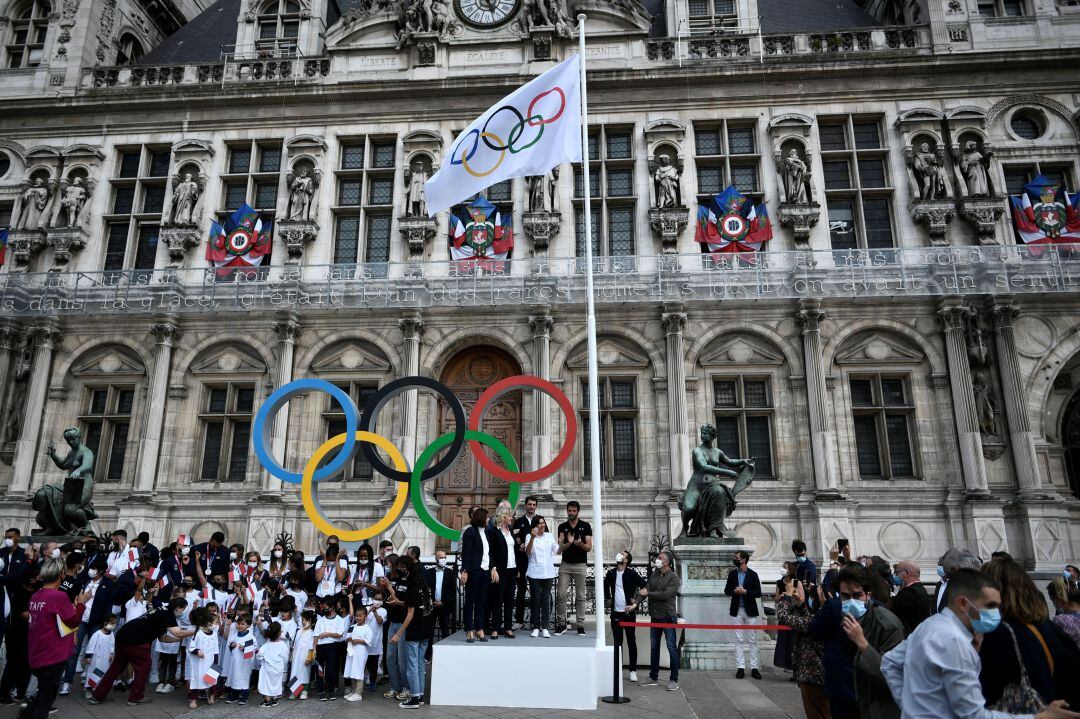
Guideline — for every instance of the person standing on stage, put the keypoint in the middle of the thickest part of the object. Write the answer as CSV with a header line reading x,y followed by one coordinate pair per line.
x,y
575,543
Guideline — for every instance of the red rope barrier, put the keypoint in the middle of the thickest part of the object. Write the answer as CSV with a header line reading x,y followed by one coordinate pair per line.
x,y
752,627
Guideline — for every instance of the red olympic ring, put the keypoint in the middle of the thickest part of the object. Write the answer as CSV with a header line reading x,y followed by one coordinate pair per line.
x,y
562,106
519,382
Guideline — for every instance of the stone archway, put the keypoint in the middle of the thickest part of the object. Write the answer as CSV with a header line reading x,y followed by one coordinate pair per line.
x,y
1070,438
468,374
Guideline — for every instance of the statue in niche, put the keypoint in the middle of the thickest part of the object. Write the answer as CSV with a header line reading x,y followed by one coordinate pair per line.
x,y
985,407
73,201
35,201
929,173
973,165
186,193
67,509
666,183
301,193
707,501
794,171
415,198
543,192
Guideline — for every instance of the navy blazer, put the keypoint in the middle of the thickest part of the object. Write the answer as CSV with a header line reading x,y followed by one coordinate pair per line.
x,y
218,562
103,601
827,626
472,549
751,584
806,572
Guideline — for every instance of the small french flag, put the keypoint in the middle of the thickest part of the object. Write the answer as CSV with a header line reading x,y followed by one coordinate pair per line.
x,y
163,580
234,575
154,574
296,687
183,540
95,678
249,648
207,592
249,592
212,674
133,555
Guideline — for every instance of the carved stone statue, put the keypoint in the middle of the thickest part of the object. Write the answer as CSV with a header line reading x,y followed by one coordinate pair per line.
x,y
35,200
666,183
186,193
707,501
544,192
794,173
985,407
929,173
74,201
415,199
546,13
973,165
301,192
441,11
67,509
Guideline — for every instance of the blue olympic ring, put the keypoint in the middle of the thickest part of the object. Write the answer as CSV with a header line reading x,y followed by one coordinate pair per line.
x,y
260,436
454,159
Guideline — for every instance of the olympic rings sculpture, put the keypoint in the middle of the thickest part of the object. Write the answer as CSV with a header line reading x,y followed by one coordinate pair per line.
x,y
490,140
358,435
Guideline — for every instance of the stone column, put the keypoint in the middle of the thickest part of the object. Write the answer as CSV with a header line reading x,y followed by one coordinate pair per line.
x,y
164,333
412,327
1002,313
287,331
809,317
541,322
9,334
26,449
674,321
953,315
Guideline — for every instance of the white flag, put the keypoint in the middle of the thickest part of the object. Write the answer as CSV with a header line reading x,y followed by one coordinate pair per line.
x,y
527,133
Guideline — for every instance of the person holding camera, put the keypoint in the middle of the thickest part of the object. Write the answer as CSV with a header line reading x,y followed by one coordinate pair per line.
x,y
744,588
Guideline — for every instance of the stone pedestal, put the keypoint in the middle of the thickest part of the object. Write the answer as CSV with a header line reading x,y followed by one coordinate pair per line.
x,y
800,218
703,566
418,232
65,241
179,241
297,235
983,214
25,245
935,215
542,227
668,223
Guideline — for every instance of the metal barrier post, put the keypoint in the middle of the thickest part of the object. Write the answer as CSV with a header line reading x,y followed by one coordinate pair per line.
x,y
616,675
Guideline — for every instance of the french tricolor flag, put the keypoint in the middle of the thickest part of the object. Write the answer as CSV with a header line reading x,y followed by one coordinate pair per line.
x,y
296,687
95,678
207,592
212,674
235,574
249,648
133,555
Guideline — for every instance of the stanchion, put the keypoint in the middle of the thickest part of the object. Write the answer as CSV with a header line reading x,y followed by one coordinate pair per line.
x,y
616,676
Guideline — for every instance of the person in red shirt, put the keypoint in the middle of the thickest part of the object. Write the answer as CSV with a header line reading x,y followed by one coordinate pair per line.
x,y
51,638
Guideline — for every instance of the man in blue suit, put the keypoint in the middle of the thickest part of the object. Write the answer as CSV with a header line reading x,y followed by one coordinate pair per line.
x,y
744,588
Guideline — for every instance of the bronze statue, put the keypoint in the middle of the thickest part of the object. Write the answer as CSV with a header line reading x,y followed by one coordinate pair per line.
x,y
68,509
707,501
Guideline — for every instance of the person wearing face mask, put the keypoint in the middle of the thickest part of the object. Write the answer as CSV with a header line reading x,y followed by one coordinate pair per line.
x,y
950,562
11,554
662,589
805,569
99,590
277,566
21,583
118,560
442,582
330,572
366,574
1071,574
149,549
621,585
213,557
744,588
934,673
911,605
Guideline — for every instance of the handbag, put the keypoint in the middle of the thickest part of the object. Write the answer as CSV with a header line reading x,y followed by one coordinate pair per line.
x,y
1019,698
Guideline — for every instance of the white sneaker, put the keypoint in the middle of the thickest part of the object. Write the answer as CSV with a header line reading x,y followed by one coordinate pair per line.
x,y
65,689
303,694
351,698
547,634
633,676
535,633
168,688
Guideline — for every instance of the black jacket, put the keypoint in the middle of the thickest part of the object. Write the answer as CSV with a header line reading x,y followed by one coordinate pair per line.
x,y
751,584
631,583
912,605
218,560
449,587
472,550
521,528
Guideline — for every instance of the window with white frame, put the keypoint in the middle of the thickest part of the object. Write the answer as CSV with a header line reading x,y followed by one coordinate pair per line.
x,y
618,428
279,28
133,221
884,419
854,163
105,421
225,417
711,15
363,202
743,411
611,190
29,27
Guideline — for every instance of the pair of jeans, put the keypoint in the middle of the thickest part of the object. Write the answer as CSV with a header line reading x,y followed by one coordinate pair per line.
x,y
416,671
476,590
571,574
326,655
48,678
540,591
82,636
138,656
502,614
618,631
672,648
396,665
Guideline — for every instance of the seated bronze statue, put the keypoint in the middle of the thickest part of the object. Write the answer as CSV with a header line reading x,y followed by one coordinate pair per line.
x,y
68,510
707,501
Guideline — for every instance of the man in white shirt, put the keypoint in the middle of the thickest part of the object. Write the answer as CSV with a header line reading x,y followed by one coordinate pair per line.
x,y
118,559
934,673
521,528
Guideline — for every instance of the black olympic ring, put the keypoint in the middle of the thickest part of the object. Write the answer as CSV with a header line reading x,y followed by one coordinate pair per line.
x,y
375,403
492,116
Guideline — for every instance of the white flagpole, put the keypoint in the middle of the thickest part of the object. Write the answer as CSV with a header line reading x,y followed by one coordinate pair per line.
x,y
594,383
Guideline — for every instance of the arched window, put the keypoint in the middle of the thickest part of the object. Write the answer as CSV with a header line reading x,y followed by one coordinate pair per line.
x,y
279,26
26,47
131,50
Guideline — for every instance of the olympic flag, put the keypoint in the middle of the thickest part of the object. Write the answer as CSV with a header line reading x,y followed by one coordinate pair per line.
x,y
526,133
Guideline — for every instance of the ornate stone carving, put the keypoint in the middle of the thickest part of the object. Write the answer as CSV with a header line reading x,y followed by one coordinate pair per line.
x,y
673,322
412,327
666,177
668,223
302,186
547,15
178,241
929,169
810,315
544,192
972,164
187,191
541,46
417,233
24,246
164,332
799,218
34,203
983,213
541,324
74,196
542,228
65,241
287,330
936,216
105,29
297,234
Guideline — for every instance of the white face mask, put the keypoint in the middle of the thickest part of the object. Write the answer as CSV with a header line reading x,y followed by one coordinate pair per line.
x,y
376,603
277,554
253,564
619,559
232,556
92,573
185,551
389,551
441,562
658,563
109,627
9,542
55,554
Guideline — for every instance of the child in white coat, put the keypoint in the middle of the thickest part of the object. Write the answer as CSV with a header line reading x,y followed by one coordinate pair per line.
x,y
240,659
275,659
359,639
99,653
202,653
303,652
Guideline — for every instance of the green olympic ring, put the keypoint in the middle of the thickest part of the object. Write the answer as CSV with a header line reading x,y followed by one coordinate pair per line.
x,y
520,128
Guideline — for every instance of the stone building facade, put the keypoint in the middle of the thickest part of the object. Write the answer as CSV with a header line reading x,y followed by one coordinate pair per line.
x,y
905,373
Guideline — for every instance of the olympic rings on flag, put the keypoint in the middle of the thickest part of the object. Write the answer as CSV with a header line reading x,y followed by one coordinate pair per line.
x,y
502,156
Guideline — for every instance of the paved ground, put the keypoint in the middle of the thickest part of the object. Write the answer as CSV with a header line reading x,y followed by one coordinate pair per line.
x,y
702,695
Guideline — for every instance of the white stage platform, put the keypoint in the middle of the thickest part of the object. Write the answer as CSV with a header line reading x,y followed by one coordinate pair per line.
x,y
564,672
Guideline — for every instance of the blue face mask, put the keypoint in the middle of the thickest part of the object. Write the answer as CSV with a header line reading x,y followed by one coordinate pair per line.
x,y
897,581
941,571
1067,574
854,607
800,559
988,621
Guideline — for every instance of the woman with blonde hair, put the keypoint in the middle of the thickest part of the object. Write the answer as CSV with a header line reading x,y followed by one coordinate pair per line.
x,y
501,601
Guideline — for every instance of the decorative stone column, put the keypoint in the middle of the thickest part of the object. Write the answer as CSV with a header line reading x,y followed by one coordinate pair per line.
x,y
287,331
1026,462
412,327
9,334
44,336
674,321
541,322
809,317
953,315
164,333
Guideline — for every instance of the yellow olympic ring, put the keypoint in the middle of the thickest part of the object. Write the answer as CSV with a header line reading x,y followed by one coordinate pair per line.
x,y
502,156
311,503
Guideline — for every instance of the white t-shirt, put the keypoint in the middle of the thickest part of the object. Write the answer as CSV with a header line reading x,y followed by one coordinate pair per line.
x,y
92,587
134,609
119,562
327,625
620,594
329,585
508,537
485,561
299,596
542,557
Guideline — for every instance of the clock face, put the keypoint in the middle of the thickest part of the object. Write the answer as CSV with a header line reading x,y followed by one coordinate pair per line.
x,y
486,13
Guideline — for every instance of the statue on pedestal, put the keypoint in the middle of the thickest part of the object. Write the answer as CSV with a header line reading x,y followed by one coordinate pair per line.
x,y
707,501
415,195
794,171
666,183
35,201
186,194
68,510
972,164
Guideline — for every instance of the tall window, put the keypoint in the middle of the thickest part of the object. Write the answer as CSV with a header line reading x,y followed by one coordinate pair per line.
x,y
727,154
134,219
618,428
279,27
106,423
335,425
707,15
26,47
130,51
226,423
743,407
1016,176
1002,8
884,419
611,188
855,166
363,203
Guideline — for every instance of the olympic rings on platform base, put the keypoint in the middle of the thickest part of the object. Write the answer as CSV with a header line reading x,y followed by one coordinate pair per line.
x,y
311,501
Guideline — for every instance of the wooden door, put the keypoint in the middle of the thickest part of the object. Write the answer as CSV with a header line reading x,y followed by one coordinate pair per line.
x,y
466,483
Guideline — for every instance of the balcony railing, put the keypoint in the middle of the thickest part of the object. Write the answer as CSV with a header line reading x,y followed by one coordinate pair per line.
x,y
890,273
229,70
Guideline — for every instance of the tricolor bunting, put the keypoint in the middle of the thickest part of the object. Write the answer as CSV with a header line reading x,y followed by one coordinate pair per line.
x,y
1045,213
731,222
481,236
3,244
528,132
242,242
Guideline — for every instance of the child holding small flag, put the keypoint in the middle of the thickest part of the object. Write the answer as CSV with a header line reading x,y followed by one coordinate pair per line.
x,y
274,656
239,660
376,618
100,651
329,630
202,671
360,638
303,654
169,652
